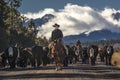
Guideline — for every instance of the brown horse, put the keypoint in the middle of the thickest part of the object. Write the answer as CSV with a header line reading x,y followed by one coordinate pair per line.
x,y
59,53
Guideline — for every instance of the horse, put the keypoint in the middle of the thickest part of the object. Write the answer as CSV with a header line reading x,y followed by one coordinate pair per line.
x,y
59,54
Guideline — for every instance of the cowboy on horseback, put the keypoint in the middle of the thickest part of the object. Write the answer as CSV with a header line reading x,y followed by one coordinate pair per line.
x,y
57,49
78,43
56,35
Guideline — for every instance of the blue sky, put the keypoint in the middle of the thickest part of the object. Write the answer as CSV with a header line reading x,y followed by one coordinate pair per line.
x,y
37,5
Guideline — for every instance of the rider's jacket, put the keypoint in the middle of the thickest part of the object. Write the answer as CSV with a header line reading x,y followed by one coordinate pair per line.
x,y
56,34
78,43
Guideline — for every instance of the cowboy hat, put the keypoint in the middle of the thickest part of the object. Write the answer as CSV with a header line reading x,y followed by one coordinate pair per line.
x,y
56,25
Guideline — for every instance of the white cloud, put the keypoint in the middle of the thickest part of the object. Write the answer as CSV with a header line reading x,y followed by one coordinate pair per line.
x,y
76,19
107,12
40,13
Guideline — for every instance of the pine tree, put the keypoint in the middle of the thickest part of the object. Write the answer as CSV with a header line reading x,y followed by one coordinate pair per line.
x,y
13,20
3,35
9,21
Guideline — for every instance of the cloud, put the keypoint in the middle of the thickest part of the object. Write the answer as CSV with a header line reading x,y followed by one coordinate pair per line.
x,y
39,14
107,12
75,19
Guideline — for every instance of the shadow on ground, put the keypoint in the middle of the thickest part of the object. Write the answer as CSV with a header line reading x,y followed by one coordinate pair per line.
x,y
61,75
97,69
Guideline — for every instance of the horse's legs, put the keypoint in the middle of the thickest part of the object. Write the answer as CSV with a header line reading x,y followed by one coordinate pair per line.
x,y
59,66
56,62
56,67
106,59
92,61
61,62
109,59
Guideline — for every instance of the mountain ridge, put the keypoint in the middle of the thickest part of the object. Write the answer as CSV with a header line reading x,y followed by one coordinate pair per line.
x,y
40,21
93,36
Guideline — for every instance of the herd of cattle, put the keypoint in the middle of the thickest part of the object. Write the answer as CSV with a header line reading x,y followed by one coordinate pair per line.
x,y
38,55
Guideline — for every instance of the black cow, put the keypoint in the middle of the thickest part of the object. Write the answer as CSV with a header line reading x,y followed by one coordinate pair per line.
x,y
33,56
2,59
25,57
108,54
40,55
85,56
69,56
10,54
37,52
46,60
72,55
65,62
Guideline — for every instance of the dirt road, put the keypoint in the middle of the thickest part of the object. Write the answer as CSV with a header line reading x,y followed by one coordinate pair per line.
x,y
73,72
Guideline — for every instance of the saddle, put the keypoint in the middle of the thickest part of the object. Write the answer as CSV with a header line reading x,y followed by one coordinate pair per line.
x,y
52,46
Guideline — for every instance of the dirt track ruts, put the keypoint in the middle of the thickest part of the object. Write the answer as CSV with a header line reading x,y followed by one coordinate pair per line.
x,y
73,71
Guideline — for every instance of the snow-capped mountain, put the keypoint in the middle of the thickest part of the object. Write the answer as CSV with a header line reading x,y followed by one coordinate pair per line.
x,y
93,36
40,21
116,16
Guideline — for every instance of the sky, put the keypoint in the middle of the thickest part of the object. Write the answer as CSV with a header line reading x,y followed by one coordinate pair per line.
x,y
37,5
73,16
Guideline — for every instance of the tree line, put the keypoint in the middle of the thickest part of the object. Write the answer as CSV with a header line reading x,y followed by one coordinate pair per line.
x,y
12,31
103,42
